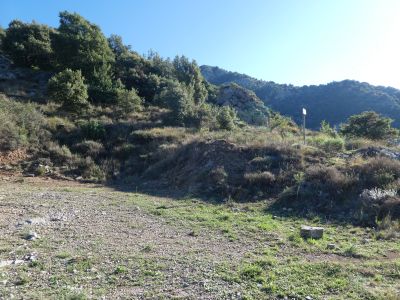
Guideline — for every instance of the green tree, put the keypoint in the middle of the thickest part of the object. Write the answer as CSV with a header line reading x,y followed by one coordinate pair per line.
x,y
282,124
370,125
29,44
2,36
160,66
68,88
127,101
102,88
327,129
80,45
117,46
175,96
226,118
189,73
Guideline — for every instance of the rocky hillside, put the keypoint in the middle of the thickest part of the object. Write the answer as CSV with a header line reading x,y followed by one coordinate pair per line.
x,y
333,102
249,107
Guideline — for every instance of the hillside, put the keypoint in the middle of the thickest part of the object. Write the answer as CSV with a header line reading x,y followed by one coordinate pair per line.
x,y
126,176
333,102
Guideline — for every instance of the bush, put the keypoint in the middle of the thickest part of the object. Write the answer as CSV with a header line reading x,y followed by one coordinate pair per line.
x,y
380,172
358,143
54,124
260,179
89,148
68,88
90,170
80,45
329,179
128,101
327,129
226,118
283,125
2,36
185,111
370,125
59,153
29,45
328,143
93,130
21,125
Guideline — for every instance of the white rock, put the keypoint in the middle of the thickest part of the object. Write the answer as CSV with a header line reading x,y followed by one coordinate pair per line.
x,y
311,232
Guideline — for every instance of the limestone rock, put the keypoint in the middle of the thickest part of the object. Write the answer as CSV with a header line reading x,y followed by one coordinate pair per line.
x,y
249,107
311,232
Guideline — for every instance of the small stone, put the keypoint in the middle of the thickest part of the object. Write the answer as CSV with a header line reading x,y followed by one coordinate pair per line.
x,y
31,236
17,261
309,298
30,257
331,246
311,232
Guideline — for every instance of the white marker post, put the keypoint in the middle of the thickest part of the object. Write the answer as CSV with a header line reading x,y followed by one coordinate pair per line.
x,y
304,125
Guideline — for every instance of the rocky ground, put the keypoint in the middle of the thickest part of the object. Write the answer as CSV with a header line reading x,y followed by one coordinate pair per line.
x,y
65,240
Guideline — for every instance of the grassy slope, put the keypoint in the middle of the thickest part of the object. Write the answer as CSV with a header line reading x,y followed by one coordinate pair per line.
x,y
132,245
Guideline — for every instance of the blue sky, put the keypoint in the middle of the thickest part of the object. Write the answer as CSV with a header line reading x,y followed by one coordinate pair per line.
x,y
286,41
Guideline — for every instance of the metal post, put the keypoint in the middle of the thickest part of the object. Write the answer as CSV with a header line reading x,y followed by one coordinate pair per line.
x,y
304,125
304,129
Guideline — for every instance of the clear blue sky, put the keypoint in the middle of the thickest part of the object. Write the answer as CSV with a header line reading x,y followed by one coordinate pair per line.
x,y
286,41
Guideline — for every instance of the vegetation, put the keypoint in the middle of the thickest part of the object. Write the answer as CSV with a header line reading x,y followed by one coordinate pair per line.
x,y
243,176
334,102
369,125
29,44
115,114
69,89
22,125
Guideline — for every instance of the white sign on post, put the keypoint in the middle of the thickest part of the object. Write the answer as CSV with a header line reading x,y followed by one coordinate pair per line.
x,y
304,112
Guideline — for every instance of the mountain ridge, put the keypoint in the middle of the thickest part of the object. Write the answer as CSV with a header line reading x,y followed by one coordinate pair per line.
x,y
333,102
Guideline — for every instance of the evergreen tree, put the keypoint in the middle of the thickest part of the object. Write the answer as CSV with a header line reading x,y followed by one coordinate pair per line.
x,y
29,44
190,74
68,88
370,125
80,45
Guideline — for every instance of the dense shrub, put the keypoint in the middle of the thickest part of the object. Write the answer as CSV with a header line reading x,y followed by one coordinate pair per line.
x,y
127,101
80,45
29,44
369,125
358,143
380,172
68,88
21,125
89,148
57,153
327,129
328,182
283,125
93,130
328,143
90,170
2,36
226,118
259,179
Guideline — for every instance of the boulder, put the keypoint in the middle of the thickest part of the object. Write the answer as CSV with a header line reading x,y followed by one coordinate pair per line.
x,y
311,232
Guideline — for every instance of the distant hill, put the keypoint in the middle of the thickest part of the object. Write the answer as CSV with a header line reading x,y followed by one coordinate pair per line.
x,y
333,102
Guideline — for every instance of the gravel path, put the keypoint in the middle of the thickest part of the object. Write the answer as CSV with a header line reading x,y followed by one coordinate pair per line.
x,y
92,239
